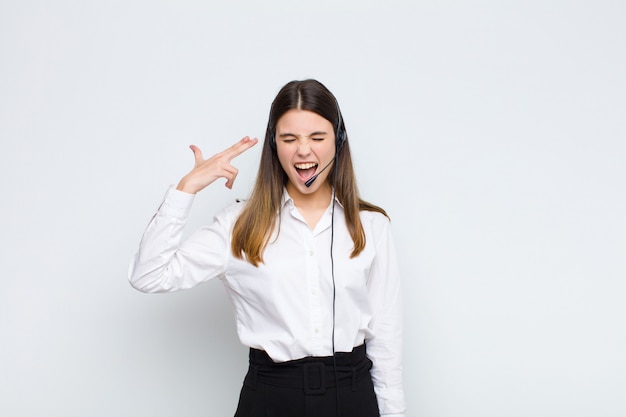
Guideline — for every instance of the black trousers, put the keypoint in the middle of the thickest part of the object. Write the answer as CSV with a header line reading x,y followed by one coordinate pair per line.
x,y
309,387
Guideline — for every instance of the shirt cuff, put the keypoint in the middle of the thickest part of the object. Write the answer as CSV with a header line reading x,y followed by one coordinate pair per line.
x,y
177,203
392,415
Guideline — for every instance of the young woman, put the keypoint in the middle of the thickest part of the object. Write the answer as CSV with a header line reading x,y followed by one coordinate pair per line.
x,y
309,266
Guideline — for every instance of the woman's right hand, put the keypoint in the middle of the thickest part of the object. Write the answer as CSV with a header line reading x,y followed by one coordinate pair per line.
x,y
206,171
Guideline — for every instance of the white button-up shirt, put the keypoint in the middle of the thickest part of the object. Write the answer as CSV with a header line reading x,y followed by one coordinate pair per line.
x,y
285,305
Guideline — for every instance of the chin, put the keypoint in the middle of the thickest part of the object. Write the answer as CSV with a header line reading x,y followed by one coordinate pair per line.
x,y
307,190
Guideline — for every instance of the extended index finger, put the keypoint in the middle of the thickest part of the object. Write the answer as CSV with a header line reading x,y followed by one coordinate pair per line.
x,y
240,147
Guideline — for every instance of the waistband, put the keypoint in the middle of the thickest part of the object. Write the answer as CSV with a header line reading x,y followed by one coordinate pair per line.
x,y
311,374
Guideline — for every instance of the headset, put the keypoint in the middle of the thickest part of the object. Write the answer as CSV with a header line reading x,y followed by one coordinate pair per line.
x,y
340,133
340,138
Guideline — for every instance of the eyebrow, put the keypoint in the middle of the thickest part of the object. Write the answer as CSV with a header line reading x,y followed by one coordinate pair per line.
x,y
282,135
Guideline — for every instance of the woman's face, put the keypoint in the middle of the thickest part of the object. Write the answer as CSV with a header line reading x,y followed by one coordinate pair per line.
x,y
305,143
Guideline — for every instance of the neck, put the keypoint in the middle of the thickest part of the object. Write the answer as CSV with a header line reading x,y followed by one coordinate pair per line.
x,y
319,199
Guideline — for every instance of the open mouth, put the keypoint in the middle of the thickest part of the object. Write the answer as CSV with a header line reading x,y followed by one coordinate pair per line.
x,y
306,170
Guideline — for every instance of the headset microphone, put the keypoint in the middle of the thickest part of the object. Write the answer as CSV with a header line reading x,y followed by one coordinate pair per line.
x,y
314,177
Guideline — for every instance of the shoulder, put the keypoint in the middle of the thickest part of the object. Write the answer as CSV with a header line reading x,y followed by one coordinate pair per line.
x,y
374,222
231,212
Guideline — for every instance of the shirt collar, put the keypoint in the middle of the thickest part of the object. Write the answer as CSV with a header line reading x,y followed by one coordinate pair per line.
x,y
287,200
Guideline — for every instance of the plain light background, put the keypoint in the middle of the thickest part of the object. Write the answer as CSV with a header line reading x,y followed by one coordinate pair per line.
x,y
493,132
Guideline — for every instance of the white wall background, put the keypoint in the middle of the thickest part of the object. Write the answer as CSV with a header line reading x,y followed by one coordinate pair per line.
x,y
492,131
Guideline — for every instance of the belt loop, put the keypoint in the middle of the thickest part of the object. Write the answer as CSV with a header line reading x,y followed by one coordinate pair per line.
x,y
314,378
353,379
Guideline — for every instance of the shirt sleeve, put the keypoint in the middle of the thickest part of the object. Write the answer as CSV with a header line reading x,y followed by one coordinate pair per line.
x,y
164,264
385,347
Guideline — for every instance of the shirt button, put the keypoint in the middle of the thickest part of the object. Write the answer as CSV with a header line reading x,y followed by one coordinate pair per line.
x,y
317,330
310,253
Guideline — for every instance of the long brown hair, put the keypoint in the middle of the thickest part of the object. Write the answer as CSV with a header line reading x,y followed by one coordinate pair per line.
x,y
257,221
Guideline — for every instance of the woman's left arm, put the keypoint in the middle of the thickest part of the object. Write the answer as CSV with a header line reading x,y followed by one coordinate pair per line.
x,y
385,347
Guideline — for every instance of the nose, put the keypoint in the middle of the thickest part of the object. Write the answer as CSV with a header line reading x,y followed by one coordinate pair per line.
x,y
304,148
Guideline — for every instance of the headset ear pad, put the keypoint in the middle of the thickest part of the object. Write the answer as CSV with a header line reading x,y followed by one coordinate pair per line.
x,y
340,138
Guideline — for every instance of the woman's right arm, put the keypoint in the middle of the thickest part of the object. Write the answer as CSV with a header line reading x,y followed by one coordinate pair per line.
x,y
162,263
